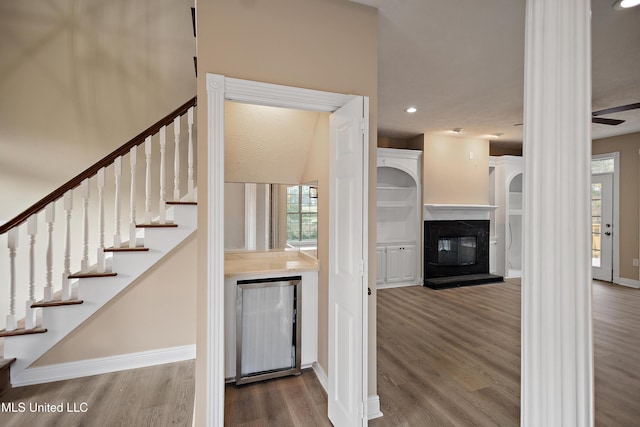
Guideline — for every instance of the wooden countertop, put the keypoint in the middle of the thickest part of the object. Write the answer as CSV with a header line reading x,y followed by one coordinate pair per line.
x,y
267,262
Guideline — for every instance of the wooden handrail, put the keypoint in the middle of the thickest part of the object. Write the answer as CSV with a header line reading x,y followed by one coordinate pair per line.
x,y
93,170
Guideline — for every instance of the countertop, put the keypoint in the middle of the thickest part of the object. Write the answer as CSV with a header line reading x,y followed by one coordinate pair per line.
x,y
266,262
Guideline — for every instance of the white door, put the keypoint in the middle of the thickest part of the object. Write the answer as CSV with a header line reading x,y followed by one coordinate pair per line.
x,y
348,263
394,264
381,261
602,227
408,263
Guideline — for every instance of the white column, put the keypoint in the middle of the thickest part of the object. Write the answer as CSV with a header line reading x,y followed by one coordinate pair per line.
x,y
163,149
66,282
132,200
49,217
100,251
147,180
176,159
117,174
190,179
30,313
557,337
84,192
12,244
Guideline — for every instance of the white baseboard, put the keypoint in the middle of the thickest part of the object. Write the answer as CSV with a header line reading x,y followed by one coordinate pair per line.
x,y
396,285
321,375
103,365
626,282
373,402
373,407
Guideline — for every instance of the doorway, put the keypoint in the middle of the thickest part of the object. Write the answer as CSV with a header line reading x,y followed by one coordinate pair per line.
x,y
604,217
351,136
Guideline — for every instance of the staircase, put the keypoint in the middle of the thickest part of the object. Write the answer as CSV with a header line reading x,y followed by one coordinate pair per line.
x,y
66,273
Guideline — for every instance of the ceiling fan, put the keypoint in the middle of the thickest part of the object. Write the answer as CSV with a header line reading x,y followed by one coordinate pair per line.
x,y
612,122
604,120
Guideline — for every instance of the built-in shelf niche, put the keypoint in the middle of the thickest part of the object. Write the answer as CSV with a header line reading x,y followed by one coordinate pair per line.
x,y
399,216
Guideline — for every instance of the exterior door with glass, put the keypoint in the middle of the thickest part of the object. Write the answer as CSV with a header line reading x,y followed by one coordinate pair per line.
x,y
602,227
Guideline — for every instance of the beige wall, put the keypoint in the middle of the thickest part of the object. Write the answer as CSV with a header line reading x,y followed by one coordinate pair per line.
x,y
327,45
450,175
628,146
79,79
154,312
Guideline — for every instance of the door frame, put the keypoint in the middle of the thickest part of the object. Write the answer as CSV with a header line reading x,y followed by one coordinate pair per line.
x,y
615,256
220,89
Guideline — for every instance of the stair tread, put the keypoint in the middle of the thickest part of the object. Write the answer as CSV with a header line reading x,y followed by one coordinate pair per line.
x,y
182,203
156,225
22,331
125,248
80,275
4,363
56,303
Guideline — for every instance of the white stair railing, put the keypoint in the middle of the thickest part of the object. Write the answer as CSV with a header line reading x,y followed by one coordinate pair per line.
x,y
29,271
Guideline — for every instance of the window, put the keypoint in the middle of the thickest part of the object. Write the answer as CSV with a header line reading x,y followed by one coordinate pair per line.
x,y
302,215
604,165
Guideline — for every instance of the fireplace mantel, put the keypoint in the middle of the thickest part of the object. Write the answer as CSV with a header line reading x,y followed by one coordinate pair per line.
x,y
436,212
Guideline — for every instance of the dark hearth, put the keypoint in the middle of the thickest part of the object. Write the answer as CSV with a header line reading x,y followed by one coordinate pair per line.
x,y
456,253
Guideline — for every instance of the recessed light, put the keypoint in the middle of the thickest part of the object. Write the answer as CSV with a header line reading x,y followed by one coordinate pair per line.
x,y
497,135
456,130
625,4
411,110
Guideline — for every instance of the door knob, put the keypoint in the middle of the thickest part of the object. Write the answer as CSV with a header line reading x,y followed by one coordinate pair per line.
x,y
607,233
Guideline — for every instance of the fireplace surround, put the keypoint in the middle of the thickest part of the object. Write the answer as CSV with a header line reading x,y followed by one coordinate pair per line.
x,y
456,253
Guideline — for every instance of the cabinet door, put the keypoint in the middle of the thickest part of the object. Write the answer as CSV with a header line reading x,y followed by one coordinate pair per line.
x,y
381,265
408,263
394,264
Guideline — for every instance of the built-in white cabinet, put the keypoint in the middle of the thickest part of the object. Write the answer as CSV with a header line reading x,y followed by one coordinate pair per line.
x,y
507,187
399,216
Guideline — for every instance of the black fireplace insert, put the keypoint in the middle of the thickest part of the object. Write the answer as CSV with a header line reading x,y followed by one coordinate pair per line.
x,y
456,253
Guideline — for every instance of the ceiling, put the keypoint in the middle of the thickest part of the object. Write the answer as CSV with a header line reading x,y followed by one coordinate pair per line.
x,y
461,64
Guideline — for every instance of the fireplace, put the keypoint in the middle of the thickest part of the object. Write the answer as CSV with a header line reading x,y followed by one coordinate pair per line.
x,y
456,253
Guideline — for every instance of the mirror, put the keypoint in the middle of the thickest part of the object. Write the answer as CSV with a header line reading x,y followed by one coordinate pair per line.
x,y
265,216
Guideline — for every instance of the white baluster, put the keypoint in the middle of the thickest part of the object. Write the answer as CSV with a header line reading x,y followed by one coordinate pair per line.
x,y
84,193
12,244
49,217
176,160
30,313
192,196
101,182
66,282
132,203
163,145
117,172
147,181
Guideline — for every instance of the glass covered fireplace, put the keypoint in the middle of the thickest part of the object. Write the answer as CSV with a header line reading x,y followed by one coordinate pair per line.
x,y
456,252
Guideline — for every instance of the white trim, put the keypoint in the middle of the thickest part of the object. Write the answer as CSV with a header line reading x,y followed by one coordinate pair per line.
x,y
104,365
250,215
626,282
396,285
219,89
373,407
214,399
321,375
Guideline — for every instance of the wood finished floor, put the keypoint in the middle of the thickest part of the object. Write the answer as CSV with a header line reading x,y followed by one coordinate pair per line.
x,y
445,358
155,396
